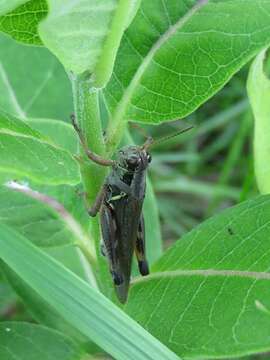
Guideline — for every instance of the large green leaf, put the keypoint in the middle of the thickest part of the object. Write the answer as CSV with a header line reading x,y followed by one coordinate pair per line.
x,y
22,21
8,5
46,93
259,93
38,221
209,295
7,297
13,125
54,130
80,305
177,54
152,225
24,341
39,309
85,35
24,154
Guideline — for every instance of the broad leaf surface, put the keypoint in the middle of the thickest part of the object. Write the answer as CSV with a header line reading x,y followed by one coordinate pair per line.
x,y
39,309
259,94
38,221
152,226
209,293
85,35
25,155
12,125
82,306
8,5
24,341
54,130
177,54
46,93
7,297
21,22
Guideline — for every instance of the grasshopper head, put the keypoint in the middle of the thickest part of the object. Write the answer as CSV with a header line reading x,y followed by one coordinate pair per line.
x,y
133,157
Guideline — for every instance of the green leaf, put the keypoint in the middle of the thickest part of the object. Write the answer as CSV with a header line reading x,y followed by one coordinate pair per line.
x,y
21,23
24,341
177,54
12,125
40,310
54,130
259,94
36,220
25,155
7,298
80,305
152,225
209,293
8,5
85,35
134,6
46,93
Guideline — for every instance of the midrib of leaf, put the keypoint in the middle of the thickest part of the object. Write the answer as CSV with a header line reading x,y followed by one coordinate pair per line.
x,y
206,273
117,124
40,88
104,67
11,92
17,134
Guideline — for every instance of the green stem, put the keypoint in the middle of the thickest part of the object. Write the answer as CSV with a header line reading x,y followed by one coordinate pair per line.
x,y
104,67
115,132
86,105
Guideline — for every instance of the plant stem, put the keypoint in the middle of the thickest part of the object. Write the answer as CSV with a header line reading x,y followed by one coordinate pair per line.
x,y
116,130
86,105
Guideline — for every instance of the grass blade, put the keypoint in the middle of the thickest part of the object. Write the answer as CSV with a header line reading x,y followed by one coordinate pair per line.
x,y
82,306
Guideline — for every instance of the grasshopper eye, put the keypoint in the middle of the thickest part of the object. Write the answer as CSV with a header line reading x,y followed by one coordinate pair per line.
x,y
149,158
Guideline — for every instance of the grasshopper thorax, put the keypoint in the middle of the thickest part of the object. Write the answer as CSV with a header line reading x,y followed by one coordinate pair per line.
x,y
133,158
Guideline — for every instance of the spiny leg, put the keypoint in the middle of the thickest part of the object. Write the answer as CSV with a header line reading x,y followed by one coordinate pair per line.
x,y
94,209
108,226
140,249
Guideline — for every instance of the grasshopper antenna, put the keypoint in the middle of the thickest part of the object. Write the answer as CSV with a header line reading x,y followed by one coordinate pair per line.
x,y
91,155
140,130
151,142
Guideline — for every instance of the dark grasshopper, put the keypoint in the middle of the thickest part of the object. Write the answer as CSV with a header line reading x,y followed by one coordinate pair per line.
x,y
120,202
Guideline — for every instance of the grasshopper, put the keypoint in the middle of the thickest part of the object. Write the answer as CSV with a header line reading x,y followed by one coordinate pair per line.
x,y
120,202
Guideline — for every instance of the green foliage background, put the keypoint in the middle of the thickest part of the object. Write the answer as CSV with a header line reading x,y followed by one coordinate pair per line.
x,y
207,295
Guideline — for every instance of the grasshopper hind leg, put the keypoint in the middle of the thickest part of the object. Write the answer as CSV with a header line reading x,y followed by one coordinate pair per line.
x,y
110,242
140,249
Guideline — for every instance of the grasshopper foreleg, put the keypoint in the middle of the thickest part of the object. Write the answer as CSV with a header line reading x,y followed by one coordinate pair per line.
x,y
90,154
